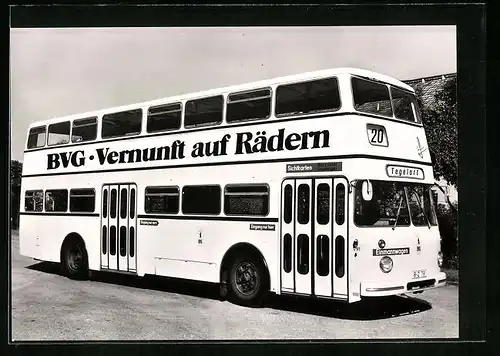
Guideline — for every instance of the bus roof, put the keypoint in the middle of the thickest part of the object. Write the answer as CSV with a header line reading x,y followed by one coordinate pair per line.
x,y
233,88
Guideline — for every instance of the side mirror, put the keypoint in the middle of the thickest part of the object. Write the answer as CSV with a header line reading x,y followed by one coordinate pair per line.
x,y
367,190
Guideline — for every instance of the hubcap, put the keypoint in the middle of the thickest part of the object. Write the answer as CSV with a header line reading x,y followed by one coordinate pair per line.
x,y
75,258
246,278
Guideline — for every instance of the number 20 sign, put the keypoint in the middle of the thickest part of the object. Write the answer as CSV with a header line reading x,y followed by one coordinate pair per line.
x,y
377,135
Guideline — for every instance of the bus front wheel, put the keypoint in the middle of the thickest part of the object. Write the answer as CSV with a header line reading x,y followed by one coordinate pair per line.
x,y
74,260
247,280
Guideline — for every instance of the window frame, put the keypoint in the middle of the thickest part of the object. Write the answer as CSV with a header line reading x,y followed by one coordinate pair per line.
x,y
33,191
81,211
114,136
377,82
45,129
162,194
357,190
340,195
271,98
55,211
181,109
416,113
306,205
315,112
59,123
193,126
317,205
389,86
268,194
202,185
82,119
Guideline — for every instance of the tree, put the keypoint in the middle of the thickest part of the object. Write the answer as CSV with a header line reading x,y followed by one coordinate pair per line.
x,y
441,127
16,169
440,123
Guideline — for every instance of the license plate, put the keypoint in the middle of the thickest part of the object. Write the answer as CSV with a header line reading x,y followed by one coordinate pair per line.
x,y
419,274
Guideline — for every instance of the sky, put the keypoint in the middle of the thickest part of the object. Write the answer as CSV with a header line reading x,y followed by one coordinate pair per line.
x,y
62,71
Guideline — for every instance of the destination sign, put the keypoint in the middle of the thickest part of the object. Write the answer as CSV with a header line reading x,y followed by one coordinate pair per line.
x,y
404,172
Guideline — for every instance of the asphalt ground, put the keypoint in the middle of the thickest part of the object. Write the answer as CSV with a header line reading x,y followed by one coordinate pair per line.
x,y
48,306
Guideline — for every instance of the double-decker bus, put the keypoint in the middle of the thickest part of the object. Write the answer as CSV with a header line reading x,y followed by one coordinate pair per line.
x,y
316,184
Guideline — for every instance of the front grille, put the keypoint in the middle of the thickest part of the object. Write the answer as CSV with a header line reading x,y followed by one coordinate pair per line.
x,y
420,284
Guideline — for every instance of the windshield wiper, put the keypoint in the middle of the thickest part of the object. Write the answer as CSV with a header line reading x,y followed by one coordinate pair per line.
x,y
397,214
421,209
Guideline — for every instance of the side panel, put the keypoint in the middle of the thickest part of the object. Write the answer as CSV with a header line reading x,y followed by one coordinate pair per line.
x,y
287,235
303,234
340,241
323,237
105,227
122,237
113,228
132,229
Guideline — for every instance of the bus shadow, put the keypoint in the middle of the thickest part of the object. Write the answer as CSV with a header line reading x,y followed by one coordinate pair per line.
x,y
369,309
366,309
151,282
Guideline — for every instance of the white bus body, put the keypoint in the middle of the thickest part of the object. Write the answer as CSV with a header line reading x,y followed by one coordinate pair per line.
x,y
277,204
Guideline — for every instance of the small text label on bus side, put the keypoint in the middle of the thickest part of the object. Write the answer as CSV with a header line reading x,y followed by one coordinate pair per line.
x,y
244,143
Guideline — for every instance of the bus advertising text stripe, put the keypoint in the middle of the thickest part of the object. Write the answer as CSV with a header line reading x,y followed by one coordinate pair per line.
x,y
223,127
195,217
276,160
56,214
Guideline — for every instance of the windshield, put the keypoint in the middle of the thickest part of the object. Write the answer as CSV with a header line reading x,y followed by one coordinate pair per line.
x,y
421,205
386,100
389,205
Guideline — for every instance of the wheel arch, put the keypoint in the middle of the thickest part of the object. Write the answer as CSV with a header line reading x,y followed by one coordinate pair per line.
x,y
71,237
240,248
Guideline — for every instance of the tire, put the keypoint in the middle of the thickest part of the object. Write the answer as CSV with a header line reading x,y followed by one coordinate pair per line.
x,y
247,280
74,259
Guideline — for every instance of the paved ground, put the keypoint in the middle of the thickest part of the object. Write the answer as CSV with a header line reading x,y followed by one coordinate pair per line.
x,y
47,306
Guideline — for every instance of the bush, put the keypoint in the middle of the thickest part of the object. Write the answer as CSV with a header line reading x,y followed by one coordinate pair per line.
x,y
447,219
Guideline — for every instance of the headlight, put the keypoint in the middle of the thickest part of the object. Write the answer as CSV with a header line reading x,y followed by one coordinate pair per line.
x,y
440,259
386,264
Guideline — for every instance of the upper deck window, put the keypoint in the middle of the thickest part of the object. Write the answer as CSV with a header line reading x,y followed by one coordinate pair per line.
x,y
371,97
206,111
84,130
37,137
249,105
164,117
125,123
308,97
59,133
405,105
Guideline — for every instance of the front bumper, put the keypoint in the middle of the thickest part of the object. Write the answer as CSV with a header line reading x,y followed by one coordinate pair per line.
x,y
380,289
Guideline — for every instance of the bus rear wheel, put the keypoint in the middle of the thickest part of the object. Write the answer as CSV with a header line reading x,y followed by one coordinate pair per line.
x,y
74,259
247,281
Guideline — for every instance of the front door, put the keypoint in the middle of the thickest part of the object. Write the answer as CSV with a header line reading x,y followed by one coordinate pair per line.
x,y
314,237
118,227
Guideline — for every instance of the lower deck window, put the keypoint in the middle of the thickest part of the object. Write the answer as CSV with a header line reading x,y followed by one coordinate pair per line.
x,y
56,200
82,200
201,199
246,200
33,200
162,200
